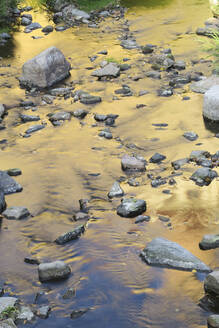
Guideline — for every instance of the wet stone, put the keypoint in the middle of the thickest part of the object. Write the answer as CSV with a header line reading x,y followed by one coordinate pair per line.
x,y
196,155
80,216
116,190
179,162
89,99
165,92
205,84
84,205
8,185
157,158
133,163
213,321
32,27
110,70
47,29
106,134
16,213
203,176
53,271
43,312
142,218
163,218
209,242
191,136
131,207
133,182
164,253
80,113
147,49
158,182
29,118
100,117
211,104
211,283
60,92
153,74
60,116
78,313
129,44
70,293
25,315
34,128
180,64
8,323
70,235
31,260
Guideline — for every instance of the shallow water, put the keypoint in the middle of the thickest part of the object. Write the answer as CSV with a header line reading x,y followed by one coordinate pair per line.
x,y
60,166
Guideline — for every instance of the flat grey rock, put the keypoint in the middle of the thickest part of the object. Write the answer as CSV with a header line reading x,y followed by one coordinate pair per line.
x,y
88,99
129,44
190,135
43,311
203,176
131,207
116,190
8,185
29,118
61,92
25,315
45,70
16,213
157,158
164,253
205,84
110,70
80,113
53,271
209,242
133,163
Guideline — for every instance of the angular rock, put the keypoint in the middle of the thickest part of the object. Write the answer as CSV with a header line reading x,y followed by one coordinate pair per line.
x,y
205,84
164,253
211,104
116,190
25,315
129,44
211,283
45,70
131,207
213,321
53,271
16,213
80,113
209,242
71,235
157,158
133,163
8,185
60,116
190,135
110,70
179,162
203,176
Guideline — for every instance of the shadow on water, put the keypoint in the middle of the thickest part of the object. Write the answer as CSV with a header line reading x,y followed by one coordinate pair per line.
x,y
146,3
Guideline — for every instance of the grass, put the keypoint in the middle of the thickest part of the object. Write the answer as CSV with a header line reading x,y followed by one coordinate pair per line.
x,y
113,60
212,48
10,312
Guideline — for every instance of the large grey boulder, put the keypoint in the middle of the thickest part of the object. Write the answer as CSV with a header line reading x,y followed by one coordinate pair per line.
x,y
205,84
131,207
164,253
45,70
8,185
211,283
16,213
110,70
209,242
211,104
53,271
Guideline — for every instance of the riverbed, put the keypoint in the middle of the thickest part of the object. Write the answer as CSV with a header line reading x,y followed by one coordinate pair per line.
x,y
63,164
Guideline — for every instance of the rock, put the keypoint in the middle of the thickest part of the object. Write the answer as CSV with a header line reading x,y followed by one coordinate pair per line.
x,y
31,260
179,162
100,117
58,5
129,44
80,216
61,28
213,321
70,13
164,253
6,302
78,313
190,135
110,70
45,70
61,92
43,311
153,74
2,201
157,158
48,99
29,118
25,315
211,283
180,64
32,27
8,323
133,163
180,79
197,155
203,176
209,242
165,92
116,190
124,91
142,218
131,207
71,235
53,271
80,113
70,293
158,182
211,104
60,116
8,185
34,128
105,134
47,29
87,99
84,205
26,21
16,213
163,60
2,110
205,84
147,49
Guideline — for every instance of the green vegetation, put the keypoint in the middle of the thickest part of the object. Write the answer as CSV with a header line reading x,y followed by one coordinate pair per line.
x,y
113,60
215,9
10,312
212,48
5,6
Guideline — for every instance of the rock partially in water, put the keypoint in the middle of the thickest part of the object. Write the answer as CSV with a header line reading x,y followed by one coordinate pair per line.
x,y
2,201
25,315
142,218
197,155
53,271
16,213
88,99
129,44
147,49
205,84
45,70
35,128
43,312
71,13
106,133
203,176
179,162
80,113
116,190
190,135
209,242
110,70
47,29
133,163
8,185
78,313
2,110
32,27
8,323
157,158
70,235
29,118
153,74
213,321
131,207
211,104
164,253
60,116
6,302
211,284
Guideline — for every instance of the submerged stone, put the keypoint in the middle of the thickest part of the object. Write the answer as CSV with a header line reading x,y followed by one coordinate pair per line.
x,y
131,207
211,283
164,253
